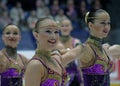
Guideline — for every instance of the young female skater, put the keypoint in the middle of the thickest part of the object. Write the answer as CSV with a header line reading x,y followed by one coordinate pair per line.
x,y
69,42
12,65
96,65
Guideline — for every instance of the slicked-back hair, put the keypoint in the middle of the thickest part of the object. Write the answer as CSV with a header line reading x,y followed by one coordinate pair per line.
x,y
39,22
7,26
91,16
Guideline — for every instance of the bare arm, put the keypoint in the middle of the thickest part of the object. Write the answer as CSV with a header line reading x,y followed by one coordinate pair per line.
x,y
83,53
34,73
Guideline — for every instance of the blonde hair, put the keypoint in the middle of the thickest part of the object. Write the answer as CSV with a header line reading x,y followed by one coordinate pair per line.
x,y
86,16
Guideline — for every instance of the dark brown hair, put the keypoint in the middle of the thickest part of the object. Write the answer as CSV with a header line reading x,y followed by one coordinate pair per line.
x,y
92,15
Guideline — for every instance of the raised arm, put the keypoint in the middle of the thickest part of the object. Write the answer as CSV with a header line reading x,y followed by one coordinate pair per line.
x,y
81,52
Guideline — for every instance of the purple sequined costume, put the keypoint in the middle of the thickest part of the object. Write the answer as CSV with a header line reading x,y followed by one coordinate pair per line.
x,y
12,76
53,78
98,73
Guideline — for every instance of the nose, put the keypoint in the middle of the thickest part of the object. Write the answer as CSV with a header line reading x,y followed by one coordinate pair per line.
x,y
107,25
11,35
53,35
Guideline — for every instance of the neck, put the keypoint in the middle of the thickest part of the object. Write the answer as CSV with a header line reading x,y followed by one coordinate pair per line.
x,y
64,39
12,52
95,38
43,54
96,41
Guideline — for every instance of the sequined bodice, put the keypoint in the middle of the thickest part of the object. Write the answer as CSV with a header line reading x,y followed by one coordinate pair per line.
x,y
99,68
98,73
12,76
102,63
53,78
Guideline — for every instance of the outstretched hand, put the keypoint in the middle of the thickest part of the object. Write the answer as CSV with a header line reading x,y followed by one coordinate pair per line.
x,y
114,50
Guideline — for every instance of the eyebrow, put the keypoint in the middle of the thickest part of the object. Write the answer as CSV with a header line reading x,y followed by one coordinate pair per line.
x,y
52,30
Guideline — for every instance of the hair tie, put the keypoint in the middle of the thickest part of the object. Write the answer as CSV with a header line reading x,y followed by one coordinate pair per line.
x,y
86,16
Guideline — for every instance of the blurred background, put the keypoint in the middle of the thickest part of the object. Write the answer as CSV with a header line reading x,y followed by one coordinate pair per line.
x,y
25,13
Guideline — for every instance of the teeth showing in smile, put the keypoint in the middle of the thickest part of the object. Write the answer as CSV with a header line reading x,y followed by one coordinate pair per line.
x,y
52,41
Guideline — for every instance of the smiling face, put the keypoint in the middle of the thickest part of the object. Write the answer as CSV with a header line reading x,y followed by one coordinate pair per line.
x,y
47,34
101,25
65,27
11,36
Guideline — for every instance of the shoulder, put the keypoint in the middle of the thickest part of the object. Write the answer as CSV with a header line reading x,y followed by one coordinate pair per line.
x,y
87,56
2,56
3,62
35,66
34,70
89,49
